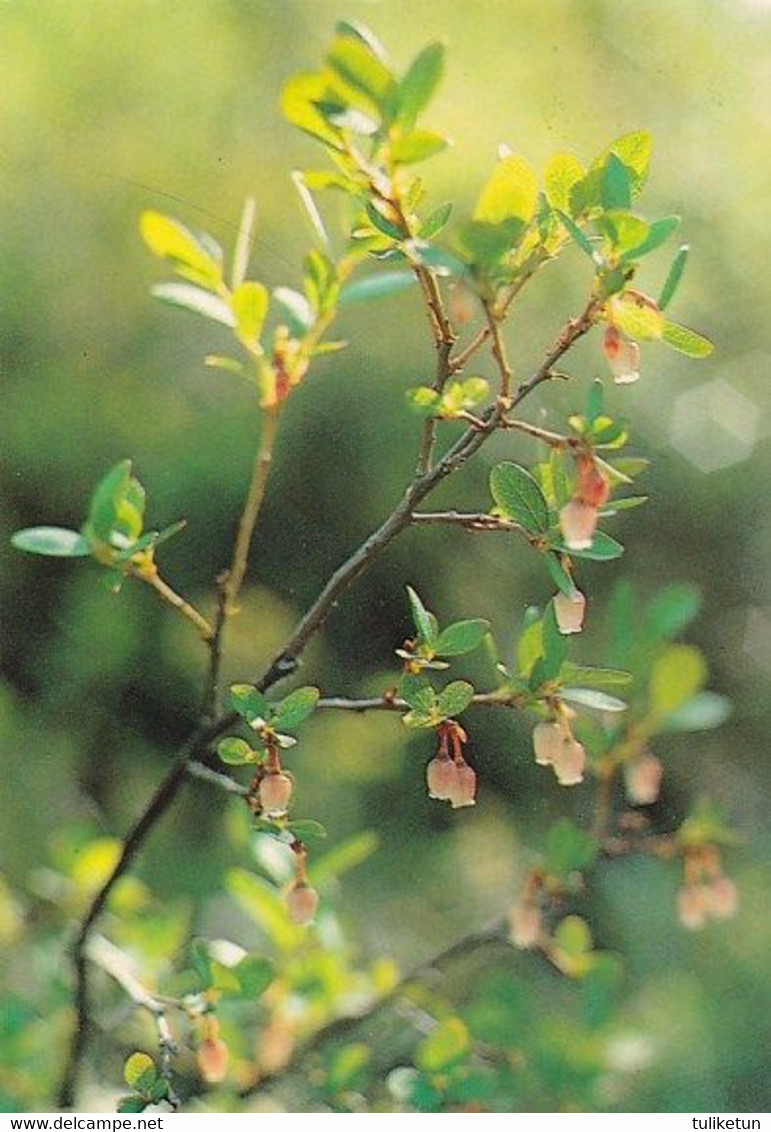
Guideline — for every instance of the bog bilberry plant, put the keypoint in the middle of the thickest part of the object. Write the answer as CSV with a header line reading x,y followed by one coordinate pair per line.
x,y
594,728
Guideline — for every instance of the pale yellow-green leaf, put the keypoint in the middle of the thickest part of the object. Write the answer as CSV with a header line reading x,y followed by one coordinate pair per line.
x,y
510,193
677,674
250,306
562,172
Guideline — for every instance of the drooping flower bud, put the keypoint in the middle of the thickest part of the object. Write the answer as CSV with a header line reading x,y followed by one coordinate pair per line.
x,y
465,786
592,487
692,906
302,902
441,776
570,611
275,792
623,356
555,746
212,1057
578,522
547,742
526,924
570,764
642,778
722,898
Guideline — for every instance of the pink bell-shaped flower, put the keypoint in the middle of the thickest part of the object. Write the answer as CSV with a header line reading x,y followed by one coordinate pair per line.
x,y
570,611
578,522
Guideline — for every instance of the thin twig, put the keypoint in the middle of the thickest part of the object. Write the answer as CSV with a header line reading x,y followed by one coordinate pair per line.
x,y
499,352
472,521
167,594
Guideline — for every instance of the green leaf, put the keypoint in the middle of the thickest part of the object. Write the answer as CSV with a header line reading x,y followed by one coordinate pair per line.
x,y
658,233
424,623
139,1072
297,309
357,30
169,239
417,146
359,66
485,243
383,223
677,675
603,549
424,400
132,1104
223,362
244,242
595,401
511,193
349,1068
435,222
674,275
55,542
583,241
117,507
705,826
589,677
591,698
563,171
616,190
701,712
248,702
568,849
295,708
529,647
685,340
559,574
264,905
573,936
638,320
194,299
599,989
461,637
236,752
254,974
625,230
299,99
199,957
671,611
349,854
444,1047
455,698
555,646
519,497
379,286
417,692
419,84
634,150
305,829
250,306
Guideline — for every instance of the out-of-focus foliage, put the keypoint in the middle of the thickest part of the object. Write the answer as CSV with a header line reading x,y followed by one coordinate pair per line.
x,y
111,110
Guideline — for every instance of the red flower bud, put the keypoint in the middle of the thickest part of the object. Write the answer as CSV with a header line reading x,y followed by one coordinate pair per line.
x,y
592,487
623,356
275,791
302,902
578,522
570,611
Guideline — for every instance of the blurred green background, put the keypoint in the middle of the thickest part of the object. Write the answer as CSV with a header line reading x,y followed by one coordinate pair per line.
x,y
111,108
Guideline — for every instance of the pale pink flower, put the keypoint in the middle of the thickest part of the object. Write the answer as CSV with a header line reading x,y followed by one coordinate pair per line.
x,y
212,1057
526,924
275,792
722,898
578,522
302,902
693,906
570,611
642,778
